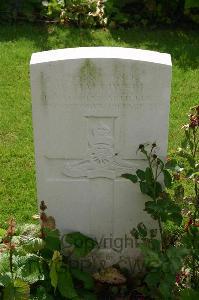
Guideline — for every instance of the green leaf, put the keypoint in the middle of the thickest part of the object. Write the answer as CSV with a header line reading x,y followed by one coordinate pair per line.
x,y
53,275
142,229
33,245
171,164
140,174
167,178
4,263
5,279
193,174
55,266
151,208
149,176
29,268
135,233
152,259
131,177
158,189
52,239
144,187
165,289
174,212
156,244
177,252
165,210
86,278
65,285
184,154
17,290
83,244
152,279
42,294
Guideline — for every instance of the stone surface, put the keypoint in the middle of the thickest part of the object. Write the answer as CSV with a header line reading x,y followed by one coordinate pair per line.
x,y
92,107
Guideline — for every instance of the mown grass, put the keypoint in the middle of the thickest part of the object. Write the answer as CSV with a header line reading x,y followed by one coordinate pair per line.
x,y
17,43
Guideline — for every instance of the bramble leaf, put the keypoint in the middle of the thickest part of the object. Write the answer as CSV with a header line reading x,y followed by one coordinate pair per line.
x,y
5,279
149,176
29,268
65,284
41,294
167,178
142,229
86,278
52,239
153,279
171,164
17,290
140,174
131,177
135,233
82,243
144,187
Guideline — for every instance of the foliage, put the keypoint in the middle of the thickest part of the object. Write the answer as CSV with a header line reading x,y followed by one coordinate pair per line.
x,y
189,158
146,12
160,206
81,13
76,12
92,13
164,261
32,265
20,9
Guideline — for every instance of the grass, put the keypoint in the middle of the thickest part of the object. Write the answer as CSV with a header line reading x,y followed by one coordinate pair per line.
x,y
17,43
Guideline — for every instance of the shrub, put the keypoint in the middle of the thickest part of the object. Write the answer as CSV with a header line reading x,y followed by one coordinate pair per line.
x,y
97,13
81,13
145,12
170,264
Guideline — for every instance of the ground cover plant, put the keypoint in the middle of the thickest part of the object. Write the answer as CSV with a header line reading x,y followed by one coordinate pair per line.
x,y
32,265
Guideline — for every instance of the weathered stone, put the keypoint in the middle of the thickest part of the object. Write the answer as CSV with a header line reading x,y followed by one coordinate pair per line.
x,y
92,107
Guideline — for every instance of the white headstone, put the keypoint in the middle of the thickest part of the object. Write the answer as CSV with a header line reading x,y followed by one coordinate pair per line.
x,y
92,107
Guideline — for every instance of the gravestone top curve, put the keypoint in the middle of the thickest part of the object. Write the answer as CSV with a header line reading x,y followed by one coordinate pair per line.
x,y
101,52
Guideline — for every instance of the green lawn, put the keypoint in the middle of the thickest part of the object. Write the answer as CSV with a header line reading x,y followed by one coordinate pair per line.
x,y
17,43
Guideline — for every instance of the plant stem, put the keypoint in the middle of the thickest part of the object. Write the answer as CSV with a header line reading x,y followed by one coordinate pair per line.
x,y
155,176
194,142
11,257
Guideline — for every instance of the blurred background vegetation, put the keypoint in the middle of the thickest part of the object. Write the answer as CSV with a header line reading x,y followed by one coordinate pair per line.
x,y
102,13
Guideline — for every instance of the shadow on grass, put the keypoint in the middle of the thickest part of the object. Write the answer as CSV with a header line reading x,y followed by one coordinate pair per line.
x,y
46,37
15,32
183,45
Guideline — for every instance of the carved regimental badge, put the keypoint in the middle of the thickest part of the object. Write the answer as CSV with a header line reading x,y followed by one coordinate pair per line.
x,y
102,161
